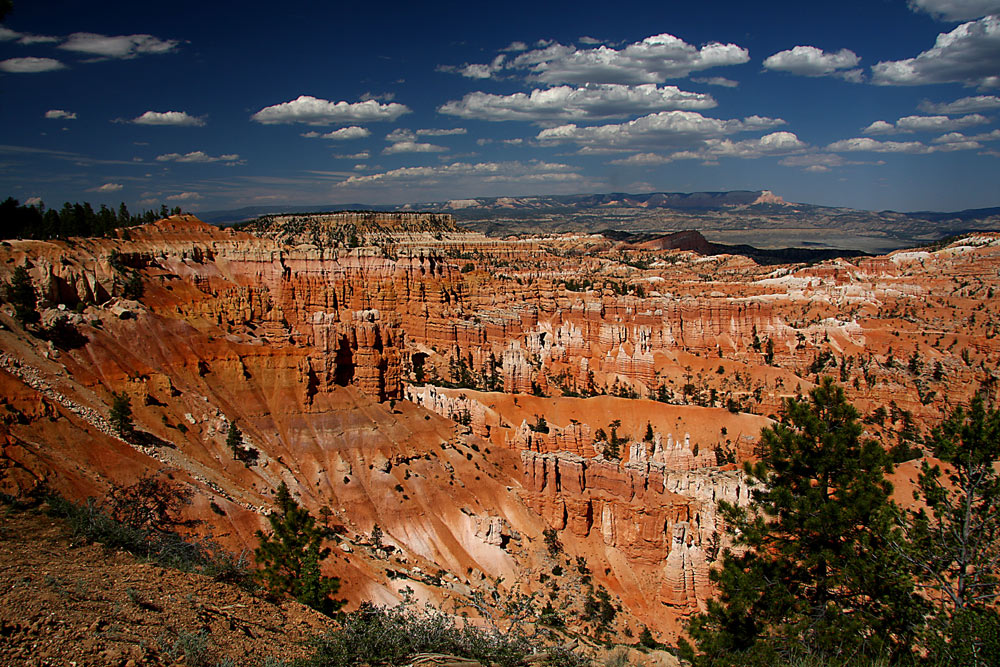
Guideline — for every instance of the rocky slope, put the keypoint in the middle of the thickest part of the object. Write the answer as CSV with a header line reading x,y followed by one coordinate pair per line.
x,y
465,393
71,603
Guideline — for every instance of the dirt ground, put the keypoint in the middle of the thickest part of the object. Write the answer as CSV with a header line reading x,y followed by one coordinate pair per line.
x,y
66,603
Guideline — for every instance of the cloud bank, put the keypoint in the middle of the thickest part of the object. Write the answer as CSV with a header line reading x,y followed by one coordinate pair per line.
x,y
120,46
652,60
169,118
59,114
956,10
925,124
343,134
314,111
969,54
663,128
197,157
30,65
593,102
811,61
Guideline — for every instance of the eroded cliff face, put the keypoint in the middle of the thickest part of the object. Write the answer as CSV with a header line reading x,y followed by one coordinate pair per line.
x,y
593,389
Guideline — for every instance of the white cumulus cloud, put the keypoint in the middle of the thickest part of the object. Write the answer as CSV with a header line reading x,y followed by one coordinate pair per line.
x,y
28,39
59,114
403,134
119,46
440,132
865,144
314,111
926,124
963,105
7,35
642,160
30,65
969,54
108,187
776,143
956,10
811,61
184,196
959,138
175,118
197,157
946,143
407,146
593,101
489,172
880,127
659,129
653,60
343,134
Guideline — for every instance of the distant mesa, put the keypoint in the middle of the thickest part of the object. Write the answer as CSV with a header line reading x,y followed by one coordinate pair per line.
x,y
693,241
349,228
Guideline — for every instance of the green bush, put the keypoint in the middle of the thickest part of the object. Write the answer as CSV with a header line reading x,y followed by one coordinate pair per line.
x,y
375,635
966,637
95,523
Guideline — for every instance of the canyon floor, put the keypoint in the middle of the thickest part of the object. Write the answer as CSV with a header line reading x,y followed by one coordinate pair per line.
x,y
554,415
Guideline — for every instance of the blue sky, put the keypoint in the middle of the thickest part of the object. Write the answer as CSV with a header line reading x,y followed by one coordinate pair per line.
x,y
871,104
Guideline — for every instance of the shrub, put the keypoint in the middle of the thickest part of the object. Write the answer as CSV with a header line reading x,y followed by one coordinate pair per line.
x,y
64,335
540,425
151,503
133,288
191,648
552,542
647,639
375,635
93,522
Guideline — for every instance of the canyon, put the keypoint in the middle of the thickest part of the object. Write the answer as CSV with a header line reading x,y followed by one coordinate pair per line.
x,y
553,414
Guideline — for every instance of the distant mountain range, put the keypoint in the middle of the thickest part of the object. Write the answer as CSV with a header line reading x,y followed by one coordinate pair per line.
x,y
757,217
683,201
472,208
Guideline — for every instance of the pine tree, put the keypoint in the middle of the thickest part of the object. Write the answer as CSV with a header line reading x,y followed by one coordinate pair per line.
x,y
121,415
953,542
21,294
812,571
290,556
234,440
